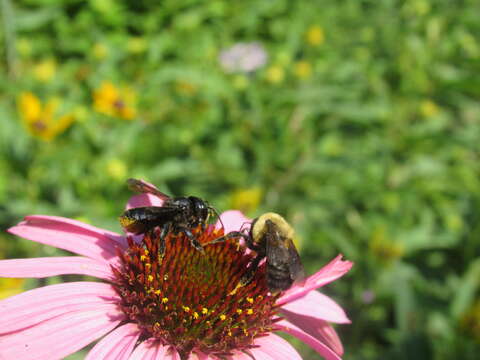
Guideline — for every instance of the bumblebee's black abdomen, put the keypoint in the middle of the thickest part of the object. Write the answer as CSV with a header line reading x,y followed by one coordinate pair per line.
x,y
278,278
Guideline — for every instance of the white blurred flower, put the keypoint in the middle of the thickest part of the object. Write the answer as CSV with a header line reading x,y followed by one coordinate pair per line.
x,y
243,57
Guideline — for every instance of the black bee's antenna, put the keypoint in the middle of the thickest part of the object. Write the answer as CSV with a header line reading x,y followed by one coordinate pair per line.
x,y
218,215
245,223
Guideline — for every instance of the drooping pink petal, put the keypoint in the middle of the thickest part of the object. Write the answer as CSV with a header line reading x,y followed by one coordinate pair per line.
x,y
53,266
233,220
317,328
153,350
198,355
70,235
145,199
314,343
118,345
142,200
34,306
332,271
317,305
273,347
60,336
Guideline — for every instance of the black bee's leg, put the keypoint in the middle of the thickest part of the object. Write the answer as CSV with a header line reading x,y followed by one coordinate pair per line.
x,y
249,274
192,238
161,240
230,235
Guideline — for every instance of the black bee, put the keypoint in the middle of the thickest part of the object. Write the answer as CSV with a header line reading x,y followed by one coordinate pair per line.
x,y
271,237
176,215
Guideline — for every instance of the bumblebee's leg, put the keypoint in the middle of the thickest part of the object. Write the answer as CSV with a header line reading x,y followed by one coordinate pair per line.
x,y
249,274
161,240
192,238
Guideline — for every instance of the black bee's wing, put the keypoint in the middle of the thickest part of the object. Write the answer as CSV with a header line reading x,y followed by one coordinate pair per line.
x,y
297,272
144,187
141,219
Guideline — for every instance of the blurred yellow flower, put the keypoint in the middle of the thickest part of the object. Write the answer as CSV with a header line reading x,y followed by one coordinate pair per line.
x,y
100,51
186,88
383,248
428,108
10,287
24,47
315,35
114,101
302,69
136,45
117,169
39,119
275,74
240,82
246,200
45,70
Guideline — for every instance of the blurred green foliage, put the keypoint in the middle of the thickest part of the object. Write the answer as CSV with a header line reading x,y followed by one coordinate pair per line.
x,y
362,129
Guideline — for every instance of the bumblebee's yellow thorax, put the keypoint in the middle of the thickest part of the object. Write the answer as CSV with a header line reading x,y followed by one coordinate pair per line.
x,y
259,228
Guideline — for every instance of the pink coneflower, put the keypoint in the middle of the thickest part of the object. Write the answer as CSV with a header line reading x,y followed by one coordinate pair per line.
x,y
181,307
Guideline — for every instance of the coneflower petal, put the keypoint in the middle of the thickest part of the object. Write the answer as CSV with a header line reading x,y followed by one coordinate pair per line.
x,y
70,235
53,266
317,328
311,341
273,347
319,306
330,272
117,345
60,336
35,306
153,350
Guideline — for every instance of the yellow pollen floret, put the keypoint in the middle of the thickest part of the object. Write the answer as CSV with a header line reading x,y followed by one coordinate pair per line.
x,y
142,257
239,311
250,300
204,311
150,277
229,333
249,311
186,309
148,265
234,291
157,292
195,315
164,300
223,317
146,252
245,331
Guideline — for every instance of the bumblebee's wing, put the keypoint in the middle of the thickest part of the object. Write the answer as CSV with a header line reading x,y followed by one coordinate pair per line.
x,y
139,220
282,254
297,272
141,186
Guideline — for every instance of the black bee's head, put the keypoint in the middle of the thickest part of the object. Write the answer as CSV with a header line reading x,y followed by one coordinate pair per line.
x,y
200,210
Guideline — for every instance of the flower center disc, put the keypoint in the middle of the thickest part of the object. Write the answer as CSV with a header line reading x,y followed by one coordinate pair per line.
x,y
190,299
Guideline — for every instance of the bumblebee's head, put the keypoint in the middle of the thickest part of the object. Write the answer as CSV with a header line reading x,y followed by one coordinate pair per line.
x,y
266,222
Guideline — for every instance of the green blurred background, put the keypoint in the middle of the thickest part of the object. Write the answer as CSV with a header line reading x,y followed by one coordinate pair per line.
x,y
358,120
